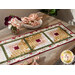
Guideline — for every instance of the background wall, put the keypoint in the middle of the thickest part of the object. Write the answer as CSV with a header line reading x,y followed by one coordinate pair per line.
x,y
17,12
67,15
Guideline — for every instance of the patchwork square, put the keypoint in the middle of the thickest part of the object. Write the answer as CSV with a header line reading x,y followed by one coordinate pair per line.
x,y
16,48
2,55
37,41
57,34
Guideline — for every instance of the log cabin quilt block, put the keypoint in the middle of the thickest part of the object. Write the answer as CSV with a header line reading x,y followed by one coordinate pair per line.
x,y
2,55
16,48
38,41
57,34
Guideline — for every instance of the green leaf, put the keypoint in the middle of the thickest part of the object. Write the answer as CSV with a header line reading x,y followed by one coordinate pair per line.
x,y
13,28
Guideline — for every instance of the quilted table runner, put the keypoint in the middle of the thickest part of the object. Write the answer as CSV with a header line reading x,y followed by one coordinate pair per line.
x,y
30,44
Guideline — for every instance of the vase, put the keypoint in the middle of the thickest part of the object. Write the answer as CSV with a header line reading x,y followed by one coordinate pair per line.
x,y
15,31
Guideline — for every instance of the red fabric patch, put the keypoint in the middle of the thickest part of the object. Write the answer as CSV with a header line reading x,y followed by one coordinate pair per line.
x,y
16,47
50,46
66,39
70,33
31,53
59,23
8,61
13,37
56,34
38,40
31,32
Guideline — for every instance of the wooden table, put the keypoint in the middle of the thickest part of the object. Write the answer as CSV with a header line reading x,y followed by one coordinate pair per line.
x,y
49,57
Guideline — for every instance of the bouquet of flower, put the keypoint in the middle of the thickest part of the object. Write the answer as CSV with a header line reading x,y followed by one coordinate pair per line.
x,y
13,23
32,19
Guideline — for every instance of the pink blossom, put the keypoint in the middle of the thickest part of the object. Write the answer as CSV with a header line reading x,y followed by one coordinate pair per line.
x,y
33,16
35,23
15,22
33,19
7,19
25,20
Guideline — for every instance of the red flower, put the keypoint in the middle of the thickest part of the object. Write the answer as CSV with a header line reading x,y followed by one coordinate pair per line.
x,y
17,18
7,19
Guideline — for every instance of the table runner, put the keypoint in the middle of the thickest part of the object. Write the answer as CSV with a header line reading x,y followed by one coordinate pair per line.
x,y
24,46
